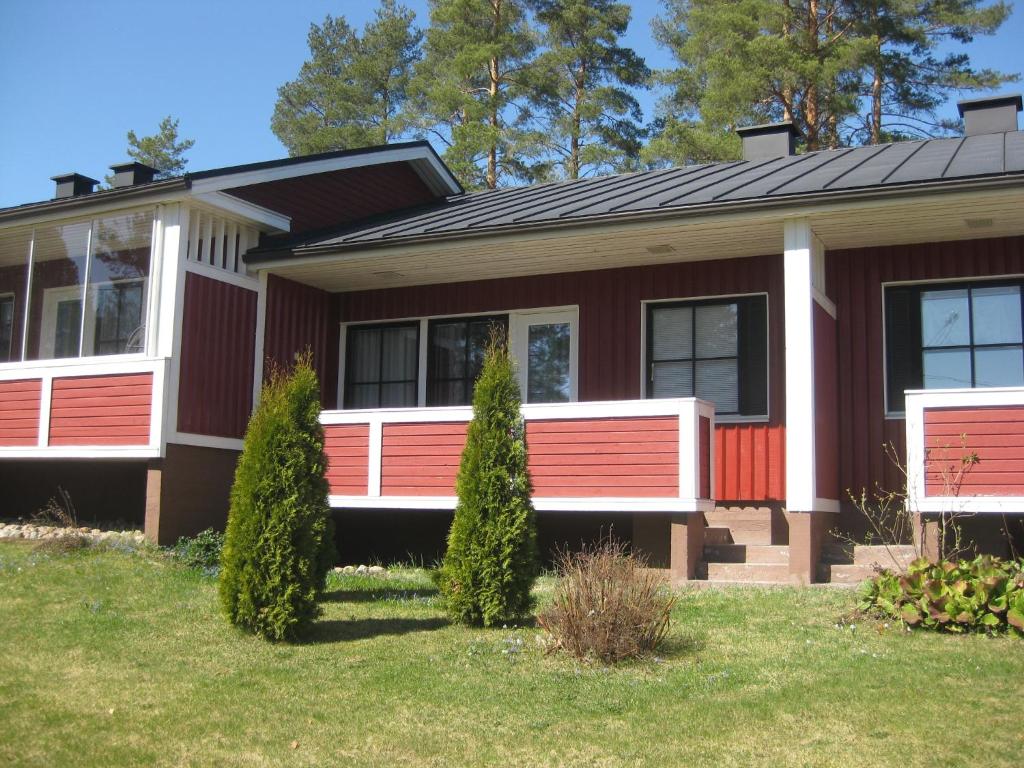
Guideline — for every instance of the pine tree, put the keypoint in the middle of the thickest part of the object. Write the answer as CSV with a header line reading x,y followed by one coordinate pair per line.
x,y
279,544
163,150
352,91
471,88
492,559
583,89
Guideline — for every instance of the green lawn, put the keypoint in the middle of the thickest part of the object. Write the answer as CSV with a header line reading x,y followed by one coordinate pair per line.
x,y
110,659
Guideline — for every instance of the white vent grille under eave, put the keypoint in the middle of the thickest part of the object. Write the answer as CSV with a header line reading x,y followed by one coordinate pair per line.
x,y
219,242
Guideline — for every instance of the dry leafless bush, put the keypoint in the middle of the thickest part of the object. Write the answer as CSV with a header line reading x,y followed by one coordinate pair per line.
x,y
608,605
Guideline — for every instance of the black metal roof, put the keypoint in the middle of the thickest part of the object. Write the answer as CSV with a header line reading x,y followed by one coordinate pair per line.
x,y
832,173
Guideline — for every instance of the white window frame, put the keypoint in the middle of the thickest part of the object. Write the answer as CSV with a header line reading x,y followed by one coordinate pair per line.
x,y
529,316
519,338
725,297
891,415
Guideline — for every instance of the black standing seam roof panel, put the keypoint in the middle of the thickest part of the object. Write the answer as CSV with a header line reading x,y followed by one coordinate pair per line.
x,y
980,155
767,184
819,178
641,188
707,193
874,170
930,162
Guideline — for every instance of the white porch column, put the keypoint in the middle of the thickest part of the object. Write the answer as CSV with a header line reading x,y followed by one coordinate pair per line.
x,y
811,418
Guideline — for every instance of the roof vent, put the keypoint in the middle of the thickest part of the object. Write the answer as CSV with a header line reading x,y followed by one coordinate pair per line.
x,y
73,185
994,114
132,173
766,142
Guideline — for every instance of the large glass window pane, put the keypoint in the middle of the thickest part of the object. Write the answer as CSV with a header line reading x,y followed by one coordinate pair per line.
x,y
996,315
118,279
947,368
58,284
718,382
455,355
945,319
14,249
998,367
672,333
547,373
715,331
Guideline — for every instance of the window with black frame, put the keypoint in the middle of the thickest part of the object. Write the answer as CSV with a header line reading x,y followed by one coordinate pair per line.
x,y
952,336
381,365
455,355
716,350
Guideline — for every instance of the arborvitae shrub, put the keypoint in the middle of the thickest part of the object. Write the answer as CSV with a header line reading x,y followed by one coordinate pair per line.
x,y
492,561
279,543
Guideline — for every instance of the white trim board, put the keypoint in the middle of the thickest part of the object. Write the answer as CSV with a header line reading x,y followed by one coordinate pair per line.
x,y
540,503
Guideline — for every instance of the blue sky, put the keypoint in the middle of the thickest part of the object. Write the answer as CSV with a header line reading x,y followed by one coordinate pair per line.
x,y
77,74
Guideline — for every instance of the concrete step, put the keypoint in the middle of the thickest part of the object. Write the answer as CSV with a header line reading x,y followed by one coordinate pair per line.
x,y
748,572
716,535
848,573
745,526
896,557
755,554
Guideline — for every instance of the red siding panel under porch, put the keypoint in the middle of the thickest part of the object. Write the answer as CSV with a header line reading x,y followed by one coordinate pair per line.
x,y
101,410
749,457
421,459
347,448
19,412
993,433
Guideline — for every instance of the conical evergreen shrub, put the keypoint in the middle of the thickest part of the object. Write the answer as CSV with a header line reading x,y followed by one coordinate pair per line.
x,y
492,561
279,544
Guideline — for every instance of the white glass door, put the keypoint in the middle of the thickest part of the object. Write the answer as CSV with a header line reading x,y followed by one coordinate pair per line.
x,y
545,347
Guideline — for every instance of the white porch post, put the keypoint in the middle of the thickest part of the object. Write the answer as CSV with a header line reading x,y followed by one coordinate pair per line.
x,y
804,279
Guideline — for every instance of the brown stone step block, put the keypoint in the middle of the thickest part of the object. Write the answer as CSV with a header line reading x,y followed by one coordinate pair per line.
x,y
747,572
755,554
845,573
717,535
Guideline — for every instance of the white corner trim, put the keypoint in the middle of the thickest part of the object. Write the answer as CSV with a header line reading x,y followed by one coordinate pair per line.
x,y
222,275
259,341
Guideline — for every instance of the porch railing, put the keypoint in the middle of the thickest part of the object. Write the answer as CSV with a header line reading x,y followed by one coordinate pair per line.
x,y
965,450
631,456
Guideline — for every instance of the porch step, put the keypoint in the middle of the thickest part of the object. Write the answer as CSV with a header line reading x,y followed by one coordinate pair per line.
x,y
749,572
717,535
893,557
754,554
745,526
844,573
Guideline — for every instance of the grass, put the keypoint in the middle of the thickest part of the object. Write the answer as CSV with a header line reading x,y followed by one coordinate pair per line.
x,y
108,658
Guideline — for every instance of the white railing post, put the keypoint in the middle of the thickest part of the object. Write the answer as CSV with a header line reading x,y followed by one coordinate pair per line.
x,y
689,450
375,457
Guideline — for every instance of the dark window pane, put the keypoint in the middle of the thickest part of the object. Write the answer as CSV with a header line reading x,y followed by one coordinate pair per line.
x,y
947,368
401,395
455,356
448,350
672,380
381,366
715,330
672,333
400,353
547,374
363,396
6,328
68,328
945,318
717,381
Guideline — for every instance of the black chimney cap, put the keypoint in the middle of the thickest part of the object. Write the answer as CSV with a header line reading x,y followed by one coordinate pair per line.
x,y
132,173
73,185
764,142
990,114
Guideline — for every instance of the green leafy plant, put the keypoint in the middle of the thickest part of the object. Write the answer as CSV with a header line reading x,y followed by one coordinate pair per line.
x,y
492,561
279,543
608,605
200,551
984,594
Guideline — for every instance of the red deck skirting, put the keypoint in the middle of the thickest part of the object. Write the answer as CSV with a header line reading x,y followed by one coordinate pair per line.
x,y
993,433
347,449
101,410
19,412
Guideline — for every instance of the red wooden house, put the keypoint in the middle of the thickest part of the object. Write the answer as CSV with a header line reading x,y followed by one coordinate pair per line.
x,y
715,353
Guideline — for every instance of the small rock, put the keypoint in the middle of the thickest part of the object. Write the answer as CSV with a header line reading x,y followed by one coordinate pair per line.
x,y
349,569
362,569
336,569
375,569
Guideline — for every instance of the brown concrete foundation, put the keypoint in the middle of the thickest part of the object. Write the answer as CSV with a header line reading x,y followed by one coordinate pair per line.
x,y
687,545
188,491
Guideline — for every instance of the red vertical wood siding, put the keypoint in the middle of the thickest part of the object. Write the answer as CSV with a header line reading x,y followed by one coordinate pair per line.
x,y
19,412
826,434
604,457
750,459
298,317
993,433
421,459
347,448
855,280
101,410
217,357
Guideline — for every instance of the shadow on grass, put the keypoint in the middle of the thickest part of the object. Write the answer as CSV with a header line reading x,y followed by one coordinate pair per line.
x,y
345,630
378,595
677,646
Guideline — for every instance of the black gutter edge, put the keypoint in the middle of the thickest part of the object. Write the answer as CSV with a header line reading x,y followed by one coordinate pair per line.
x,y
259,256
